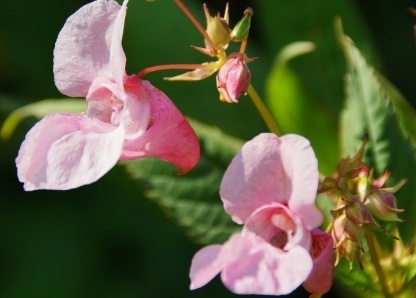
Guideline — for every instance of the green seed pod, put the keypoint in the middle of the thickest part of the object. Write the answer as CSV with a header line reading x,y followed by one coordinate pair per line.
x,y
240,30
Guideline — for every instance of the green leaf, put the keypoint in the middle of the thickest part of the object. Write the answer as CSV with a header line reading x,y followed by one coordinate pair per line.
x,y
322,71
193,200
356,282
405,112
296,110
39,110
372,108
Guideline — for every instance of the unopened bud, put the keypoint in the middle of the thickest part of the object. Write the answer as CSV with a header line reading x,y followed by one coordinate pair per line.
x,y
233,79
382,205
218,29
357,213
243,26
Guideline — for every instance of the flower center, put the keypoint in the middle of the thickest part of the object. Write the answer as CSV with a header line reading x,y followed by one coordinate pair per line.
x,y
285,228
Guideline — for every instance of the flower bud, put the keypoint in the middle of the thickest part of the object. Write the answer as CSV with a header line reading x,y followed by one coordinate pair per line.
x,y
382,205
357,213
218,29
233,79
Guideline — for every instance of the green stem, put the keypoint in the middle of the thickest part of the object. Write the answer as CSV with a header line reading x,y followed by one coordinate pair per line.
x,y
264,112
371,241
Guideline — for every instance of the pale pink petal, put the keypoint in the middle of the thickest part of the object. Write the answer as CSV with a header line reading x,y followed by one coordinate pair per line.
x,y
85,45
301,165
103,101
320,279
64,151
205,266
133,112
269,169
117,56
260,268
277,225
169,136
136,114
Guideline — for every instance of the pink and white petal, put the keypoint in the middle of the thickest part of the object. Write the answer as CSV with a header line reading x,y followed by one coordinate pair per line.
x,y
263,269
301,166
136,114
104,101
255,177
277,225
320,279
205,266
117,56
169,136
83,48
64,151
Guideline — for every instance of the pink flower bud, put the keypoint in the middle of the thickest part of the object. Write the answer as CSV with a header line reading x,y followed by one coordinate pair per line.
x,y
233,79
382,205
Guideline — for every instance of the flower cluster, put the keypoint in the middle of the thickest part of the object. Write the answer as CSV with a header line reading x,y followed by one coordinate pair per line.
x,y
361,202
234,75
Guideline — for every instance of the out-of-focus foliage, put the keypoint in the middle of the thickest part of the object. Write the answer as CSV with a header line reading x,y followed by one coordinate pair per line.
x,y
193,199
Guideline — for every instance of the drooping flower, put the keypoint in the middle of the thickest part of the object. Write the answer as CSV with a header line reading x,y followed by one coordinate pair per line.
x,y
270,187
127,118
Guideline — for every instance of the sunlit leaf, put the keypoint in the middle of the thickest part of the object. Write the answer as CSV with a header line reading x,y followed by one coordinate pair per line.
x,y
296,110
192,200
38,110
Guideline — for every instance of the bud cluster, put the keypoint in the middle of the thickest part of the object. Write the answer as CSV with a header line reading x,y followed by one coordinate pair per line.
x,y
234,74
361,203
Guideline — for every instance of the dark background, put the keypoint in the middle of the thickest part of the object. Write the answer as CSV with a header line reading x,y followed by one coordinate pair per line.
x,y
106,239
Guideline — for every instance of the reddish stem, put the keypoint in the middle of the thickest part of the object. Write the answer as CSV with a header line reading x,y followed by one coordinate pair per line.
x,y
169,67
196,23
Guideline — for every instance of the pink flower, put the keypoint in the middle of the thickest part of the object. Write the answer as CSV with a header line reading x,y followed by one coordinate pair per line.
x,y
127,118
270,187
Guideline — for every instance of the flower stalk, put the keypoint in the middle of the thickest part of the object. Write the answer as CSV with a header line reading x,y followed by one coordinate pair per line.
x,y
263,110
375,260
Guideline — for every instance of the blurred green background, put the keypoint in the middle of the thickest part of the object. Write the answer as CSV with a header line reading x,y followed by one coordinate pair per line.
x,y
106,239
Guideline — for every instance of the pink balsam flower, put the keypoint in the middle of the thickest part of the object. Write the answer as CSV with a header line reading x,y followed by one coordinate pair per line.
x,y
127,118
270,187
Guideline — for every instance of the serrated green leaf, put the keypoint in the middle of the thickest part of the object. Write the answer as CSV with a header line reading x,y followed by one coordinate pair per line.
x,y
193,200
297,111
404,111
369,110
40,109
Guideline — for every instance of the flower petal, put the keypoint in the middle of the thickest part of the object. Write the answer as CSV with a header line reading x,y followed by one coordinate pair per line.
x,y
205,266
64,151
89,46
269,169
277,225
320,279
169,135
301,164
108,103
260,268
